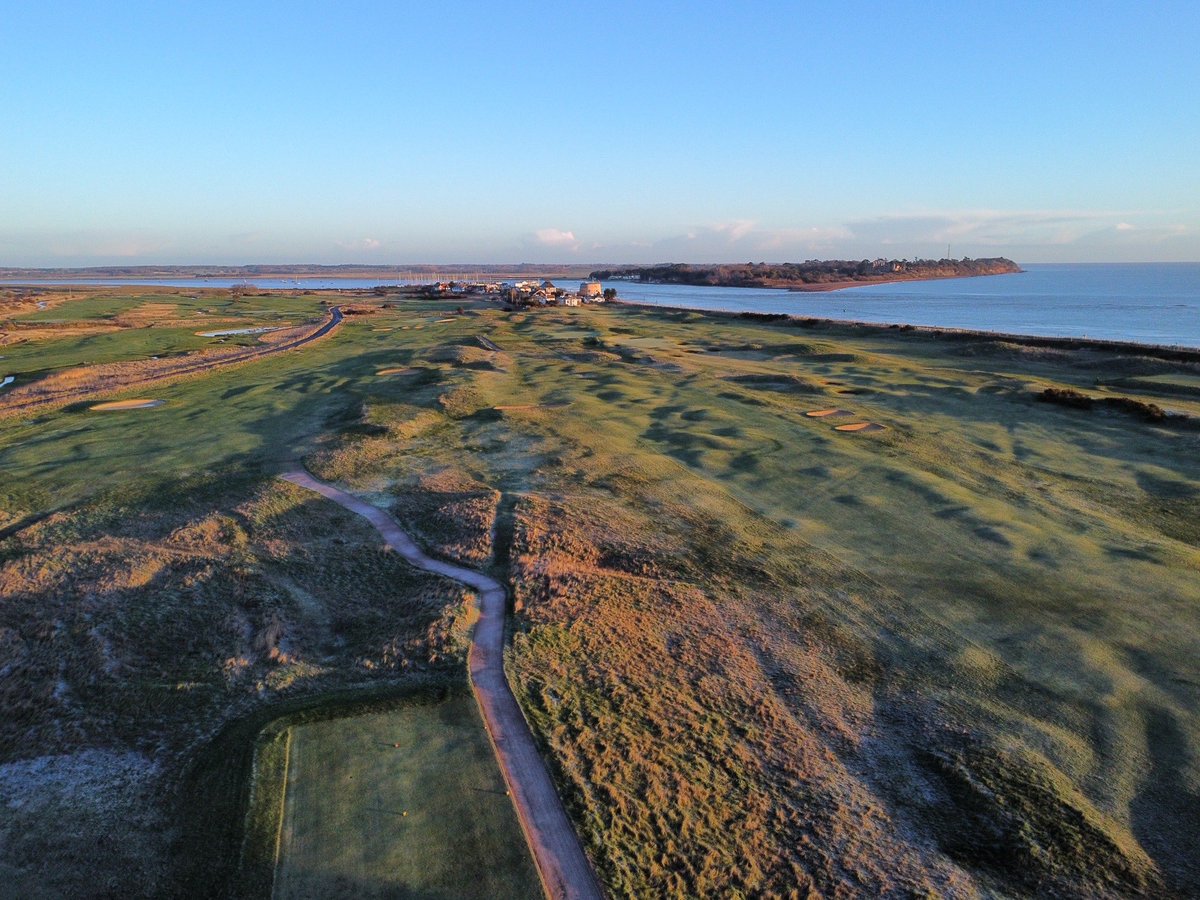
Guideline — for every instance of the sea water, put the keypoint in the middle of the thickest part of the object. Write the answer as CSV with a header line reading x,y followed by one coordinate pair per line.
x,y
1157,303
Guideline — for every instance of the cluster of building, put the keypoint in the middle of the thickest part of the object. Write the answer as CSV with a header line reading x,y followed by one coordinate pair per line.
x,y
526,293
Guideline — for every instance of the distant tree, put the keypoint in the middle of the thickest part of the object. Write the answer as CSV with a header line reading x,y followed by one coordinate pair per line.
x,y
610,293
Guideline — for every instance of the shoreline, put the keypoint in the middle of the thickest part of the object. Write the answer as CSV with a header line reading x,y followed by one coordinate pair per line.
x,y
833,275
832,286
1171,352
824,287
1174,351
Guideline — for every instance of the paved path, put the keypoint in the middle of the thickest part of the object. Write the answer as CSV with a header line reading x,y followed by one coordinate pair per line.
x,y
564,868
335,319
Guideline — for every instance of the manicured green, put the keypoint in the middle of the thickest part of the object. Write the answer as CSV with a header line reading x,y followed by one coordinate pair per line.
x,y
401,803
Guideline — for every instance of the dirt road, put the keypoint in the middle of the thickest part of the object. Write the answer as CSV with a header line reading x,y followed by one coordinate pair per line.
x,y
560,860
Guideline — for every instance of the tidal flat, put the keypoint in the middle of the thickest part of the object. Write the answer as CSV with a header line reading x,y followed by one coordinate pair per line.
x,y
956,654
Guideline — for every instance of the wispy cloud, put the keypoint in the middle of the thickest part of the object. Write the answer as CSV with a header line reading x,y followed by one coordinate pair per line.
x,y
366,244
812,239
1033,235
982,228
739,238
554,237
88,247
734,231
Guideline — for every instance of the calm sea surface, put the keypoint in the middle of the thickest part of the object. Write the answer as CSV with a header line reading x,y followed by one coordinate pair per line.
x,y
1148,303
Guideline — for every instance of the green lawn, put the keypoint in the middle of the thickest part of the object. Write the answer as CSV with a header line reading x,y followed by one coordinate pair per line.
x,y
407,803
131,327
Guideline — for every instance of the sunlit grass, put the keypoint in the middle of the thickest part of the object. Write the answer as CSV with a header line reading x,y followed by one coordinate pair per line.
x,y
760,653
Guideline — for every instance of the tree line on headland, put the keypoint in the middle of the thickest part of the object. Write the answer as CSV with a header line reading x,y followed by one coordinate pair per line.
x,y
814,274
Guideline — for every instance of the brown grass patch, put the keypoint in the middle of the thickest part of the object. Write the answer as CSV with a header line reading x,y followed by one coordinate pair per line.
x,y
698,741
451,514
148,314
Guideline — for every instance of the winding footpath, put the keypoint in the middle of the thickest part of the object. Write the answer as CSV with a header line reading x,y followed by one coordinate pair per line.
x,y
561,863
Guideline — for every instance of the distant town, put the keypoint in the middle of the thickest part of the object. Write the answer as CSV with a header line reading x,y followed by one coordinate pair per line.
x,y
533,292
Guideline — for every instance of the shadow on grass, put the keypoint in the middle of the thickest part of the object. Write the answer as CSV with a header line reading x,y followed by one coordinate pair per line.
x,y
1168,805
226,847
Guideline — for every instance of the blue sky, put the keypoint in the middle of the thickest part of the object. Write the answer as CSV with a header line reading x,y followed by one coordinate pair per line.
x,y
472,132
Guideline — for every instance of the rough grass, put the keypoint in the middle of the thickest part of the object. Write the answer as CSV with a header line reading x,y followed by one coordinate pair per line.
x,y
144,628
124,631
704,577
956,656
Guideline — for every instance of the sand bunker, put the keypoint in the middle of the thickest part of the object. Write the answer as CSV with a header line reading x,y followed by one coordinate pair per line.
x,y
860,427
822,413
402,370
228,331
126,404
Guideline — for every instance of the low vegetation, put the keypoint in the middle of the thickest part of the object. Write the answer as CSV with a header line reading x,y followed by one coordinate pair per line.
x,y
953,657
137,619
1151,412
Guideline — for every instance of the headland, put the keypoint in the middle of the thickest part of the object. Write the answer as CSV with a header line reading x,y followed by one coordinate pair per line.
x,y
813,275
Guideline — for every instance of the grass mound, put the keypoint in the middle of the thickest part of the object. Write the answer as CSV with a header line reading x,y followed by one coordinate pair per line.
x,y
1016,819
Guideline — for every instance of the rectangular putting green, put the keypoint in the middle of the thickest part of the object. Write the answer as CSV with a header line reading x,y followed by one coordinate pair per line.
x,y
407,803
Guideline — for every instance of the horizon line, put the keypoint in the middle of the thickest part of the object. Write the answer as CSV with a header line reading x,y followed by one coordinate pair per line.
x,y
558,265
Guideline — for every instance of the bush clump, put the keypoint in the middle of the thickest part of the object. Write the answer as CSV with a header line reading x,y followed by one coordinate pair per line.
x,y
1143,409
1067,397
